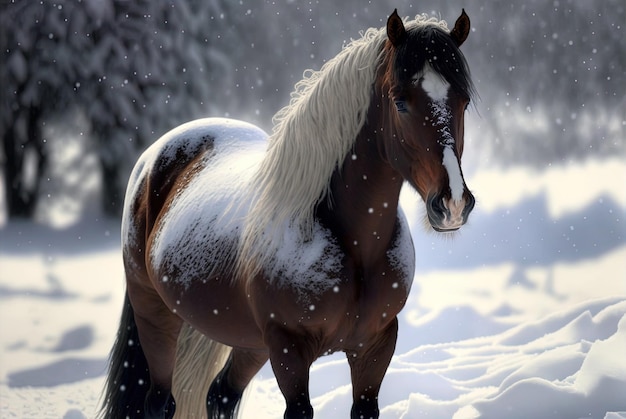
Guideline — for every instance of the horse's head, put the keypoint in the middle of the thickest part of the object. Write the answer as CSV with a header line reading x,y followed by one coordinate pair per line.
x,y
425,89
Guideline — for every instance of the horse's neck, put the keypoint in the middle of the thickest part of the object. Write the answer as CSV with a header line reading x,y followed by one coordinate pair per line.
x,y
363,203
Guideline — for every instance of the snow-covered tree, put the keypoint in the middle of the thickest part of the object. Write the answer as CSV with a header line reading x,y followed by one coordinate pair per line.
x,y
550,74
31,78
133,68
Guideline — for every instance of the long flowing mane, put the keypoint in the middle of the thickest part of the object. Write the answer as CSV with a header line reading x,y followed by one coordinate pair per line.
x,y
310,139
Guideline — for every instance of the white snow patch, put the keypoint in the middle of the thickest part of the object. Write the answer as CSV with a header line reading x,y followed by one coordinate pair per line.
x,y
604,367
441,120
202,225
401,256
201,229
310,266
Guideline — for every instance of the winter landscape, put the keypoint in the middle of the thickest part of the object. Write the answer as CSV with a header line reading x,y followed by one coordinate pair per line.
x,y
521,314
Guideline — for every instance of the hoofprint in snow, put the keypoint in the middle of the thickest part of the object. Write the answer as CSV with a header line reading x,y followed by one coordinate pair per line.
x,y
487,339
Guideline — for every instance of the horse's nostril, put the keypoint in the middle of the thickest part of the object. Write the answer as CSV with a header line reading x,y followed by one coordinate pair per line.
x,y
438,205
470,201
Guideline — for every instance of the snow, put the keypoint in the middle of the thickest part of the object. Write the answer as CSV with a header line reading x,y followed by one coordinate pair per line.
x,y
401,256
507,319
237,150
189,225
307,264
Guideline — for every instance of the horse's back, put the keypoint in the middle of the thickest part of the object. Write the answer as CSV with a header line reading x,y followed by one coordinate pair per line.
x,y
177,148
166,169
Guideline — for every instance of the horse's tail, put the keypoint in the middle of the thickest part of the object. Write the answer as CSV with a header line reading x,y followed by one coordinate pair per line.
x,y
198,361
128,381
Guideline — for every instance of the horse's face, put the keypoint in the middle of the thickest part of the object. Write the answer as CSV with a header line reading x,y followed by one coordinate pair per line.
x,y
428,89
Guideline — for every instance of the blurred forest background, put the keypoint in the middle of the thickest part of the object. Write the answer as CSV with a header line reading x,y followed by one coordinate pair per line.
x,y
86,85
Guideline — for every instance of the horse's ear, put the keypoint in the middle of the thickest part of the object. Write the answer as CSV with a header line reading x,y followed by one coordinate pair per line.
x,y
461,29
395,29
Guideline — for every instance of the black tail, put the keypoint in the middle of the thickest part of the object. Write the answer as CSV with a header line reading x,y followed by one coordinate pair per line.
x,y
128,380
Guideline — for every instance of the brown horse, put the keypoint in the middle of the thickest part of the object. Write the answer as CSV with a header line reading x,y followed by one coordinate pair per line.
x,y
239,248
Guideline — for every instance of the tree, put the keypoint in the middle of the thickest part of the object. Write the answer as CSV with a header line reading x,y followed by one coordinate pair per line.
x,y
130,66
550,79
29,96
547,72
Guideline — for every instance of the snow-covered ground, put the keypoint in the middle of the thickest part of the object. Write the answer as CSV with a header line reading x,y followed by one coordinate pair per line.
x,y
521,315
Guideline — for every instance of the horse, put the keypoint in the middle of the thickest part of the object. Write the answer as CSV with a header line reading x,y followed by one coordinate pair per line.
x,y
241,247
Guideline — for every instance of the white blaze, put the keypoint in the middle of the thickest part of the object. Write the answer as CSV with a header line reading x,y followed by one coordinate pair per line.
x,y
434,85
451,164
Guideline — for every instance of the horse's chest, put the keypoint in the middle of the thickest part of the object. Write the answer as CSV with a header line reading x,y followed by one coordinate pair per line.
x,y
353,313
376,302
331,293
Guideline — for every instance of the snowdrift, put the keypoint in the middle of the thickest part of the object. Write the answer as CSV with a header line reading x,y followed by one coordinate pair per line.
x,y
522,315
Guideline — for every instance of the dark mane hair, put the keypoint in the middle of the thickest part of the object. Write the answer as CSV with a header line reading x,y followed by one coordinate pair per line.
x,y
431,44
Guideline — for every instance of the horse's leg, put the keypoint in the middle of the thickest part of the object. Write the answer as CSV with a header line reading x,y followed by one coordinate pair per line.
x,y
158,330
368,368
227,388
291,359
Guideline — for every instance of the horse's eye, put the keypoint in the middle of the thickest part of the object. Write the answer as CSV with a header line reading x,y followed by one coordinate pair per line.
x,y
401,106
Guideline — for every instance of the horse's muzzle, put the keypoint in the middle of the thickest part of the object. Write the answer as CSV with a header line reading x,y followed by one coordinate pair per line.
x,y
446,214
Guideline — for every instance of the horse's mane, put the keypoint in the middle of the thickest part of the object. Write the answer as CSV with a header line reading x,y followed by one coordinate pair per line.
x,y
310,139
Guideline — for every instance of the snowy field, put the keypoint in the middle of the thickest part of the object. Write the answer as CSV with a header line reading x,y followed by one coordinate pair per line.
x,y
521,315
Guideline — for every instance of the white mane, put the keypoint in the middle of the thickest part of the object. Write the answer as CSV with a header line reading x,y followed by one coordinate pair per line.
x,y
310,139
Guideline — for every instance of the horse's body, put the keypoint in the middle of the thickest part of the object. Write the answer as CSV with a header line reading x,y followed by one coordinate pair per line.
x,y
290,249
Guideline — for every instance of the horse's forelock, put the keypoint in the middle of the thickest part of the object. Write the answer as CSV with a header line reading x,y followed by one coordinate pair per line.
x,y
429,42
